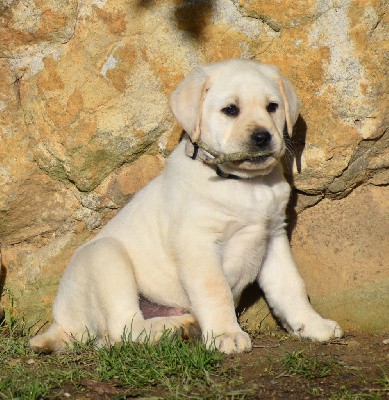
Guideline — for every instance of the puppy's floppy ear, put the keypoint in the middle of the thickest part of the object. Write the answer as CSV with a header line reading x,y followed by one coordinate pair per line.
x,y
186,101
291,101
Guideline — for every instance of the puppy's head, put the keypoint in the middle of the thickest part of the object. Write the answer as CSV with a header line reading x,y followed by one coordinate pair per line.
x,y
238,106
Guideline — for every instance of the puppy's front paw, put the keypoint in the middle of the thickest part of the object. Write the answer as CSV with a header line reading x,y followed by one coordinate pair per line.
x,y
234,342
320,330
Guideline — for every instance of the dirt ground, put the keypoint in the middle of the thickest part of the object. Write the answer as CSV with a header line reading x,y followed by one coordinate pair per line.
x,y
353,368
359,368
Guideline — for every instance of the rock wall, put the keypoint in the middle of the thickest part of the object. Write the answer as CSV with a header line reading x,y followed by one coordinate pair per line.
x,y
84,123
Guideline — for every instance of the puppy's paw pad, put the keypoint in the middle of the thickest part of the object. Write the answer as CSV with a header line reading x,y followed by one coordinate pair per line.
x,y
229,343
190,328
156,328
320,330
187,320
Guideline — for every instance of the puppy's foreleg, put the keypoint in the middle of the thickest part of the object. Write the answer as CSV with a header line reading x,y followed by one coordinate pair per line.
x,y
285,293
211,299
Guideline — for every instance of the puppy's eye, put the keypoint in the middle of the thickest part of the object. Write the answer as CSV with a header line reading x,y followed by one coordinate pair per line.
x,y
231,110
272,107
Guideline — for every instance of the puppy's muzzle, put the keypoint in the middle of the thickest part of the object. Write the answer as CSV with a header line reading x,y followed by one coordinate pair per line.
x,y
261,139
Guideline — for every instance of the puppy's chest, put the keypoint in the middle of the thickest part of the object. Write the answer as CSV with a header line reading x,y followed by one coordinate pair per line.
x,y
242,253
254,214
254,205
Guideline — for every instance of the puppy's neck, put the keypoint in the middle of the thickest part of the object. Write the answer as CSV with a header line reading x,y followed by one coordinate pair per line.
x,y
193,151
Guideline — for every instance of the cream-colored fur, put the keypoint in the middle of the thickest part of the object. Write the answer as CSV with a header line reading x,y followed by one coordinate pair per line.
x,y
193,239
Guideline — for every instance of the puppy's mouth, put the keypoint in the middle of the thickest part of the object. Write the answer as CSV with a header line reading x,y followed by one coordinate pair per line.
x,y
258,159
257,162
251,167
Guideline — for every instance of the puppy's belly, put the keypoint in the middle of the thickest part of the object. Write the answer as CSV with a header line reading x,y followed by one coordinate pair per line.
x,y
150,310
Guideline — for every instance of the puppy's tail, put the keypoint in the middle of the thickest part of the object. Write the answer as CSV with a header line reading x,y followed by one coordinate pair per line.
x,y
53,340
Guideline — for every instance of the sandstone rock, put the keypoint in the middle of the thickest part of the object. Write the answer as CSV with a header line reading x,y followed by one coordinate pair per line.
x,y
2,281
85,123
116,190
342,250
28,23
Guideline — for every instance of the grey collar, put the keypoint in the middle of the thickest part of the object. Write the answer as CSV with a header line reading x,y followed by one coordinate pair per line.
x,y
195,152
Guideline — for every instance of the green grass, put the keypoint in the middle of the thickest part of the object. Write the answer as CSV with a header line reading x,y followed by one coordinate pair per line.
x,y
306,366
384,381
24,374
172,359
170,369
347,395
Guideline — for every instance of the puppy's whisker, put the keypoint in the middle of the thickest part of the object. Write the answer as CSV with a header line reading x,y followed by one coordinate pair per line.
x,y
289,152
289,147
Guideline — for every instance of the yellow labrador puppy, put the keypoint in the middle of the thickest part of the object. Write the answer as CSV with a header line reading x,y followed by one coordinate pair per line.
x,y
197,235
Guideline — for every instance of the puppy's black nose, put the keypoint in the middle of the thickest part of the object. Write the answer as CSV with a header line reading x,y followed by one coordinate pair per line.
x,y
261,138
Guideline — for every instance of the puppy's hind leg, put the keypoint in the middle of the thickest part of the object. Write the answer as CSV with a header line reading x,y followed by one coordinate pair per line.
x,y
54,340
96,298
119,299
115,291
